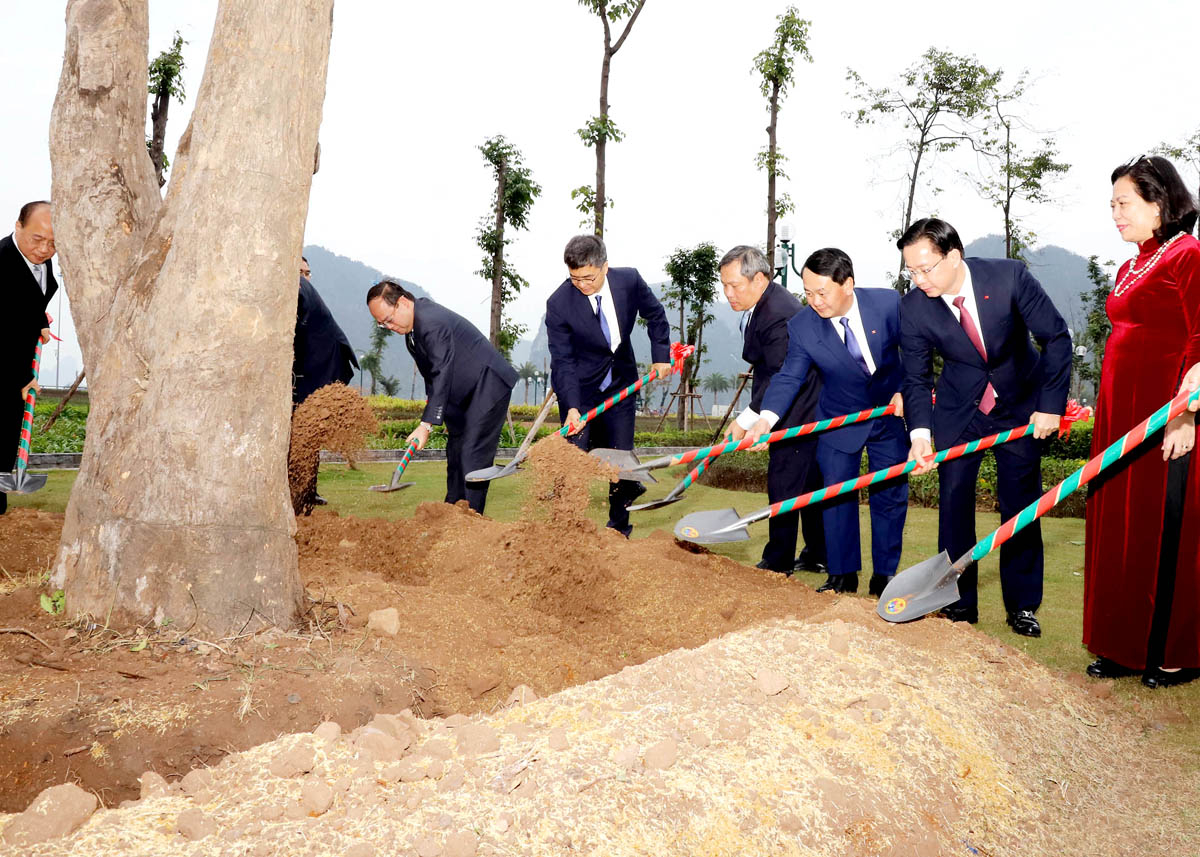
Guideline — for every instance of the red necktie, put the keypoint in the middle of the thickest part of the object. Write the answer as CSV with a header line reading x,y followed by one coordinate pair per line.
x,y
989,395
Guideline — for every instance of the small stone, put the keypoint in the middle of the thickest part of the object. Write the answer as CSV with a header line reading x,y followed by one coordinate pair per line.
x,y
558,739
385,621
427,846
316,796
199,780
193,824
293,698
771,682
293,762
662,755
329,731
445,821
477,738
153,785
478,685
463,843
346,543
522,694
55,812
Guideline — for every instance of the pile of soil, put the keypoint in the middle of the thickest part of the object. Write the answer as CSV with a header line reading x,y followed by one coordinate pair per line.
x,y
336,418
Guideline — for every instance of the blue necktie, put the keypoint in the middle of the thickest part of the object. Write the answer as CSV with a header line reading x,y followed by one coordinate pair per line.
x,y
853,347
604,385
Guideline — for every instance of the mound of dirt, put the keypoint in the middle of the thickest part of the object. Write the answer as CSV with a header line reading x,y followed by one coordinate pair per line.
x,y
336,418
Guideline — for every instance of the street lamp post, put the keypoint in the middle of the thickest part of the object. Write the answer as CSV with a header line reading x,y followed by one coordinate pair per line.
x,y
785,255
361,371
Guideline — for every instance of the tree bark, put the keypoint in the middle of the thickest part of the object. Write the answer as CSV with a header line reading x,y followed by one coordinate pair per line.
x,y
158,120
183,307
602,141
498,257
772,148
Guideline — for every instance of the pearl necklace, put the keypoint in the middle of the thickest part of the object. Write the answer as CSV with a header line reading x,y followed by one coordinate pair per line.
x,y
1133,275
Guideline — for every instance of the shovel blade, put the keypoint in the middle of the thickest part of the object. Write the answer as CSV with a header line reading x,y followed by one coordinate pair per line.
x,y
22,482
712,527
385,489
626,462
920,590
496,471
655,504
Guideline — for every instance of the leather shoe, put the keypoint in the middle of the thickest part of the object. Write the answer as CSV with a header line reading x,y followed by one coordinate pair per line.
x,y
1023,622
806,562
318,500
1156,677
878,583
1104,668
840,583
762,563
960,614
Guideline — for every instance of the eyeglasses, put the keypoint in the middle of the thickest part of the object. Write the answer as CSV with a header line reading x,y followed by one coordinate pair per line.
x,y
912,274
387,320
586,281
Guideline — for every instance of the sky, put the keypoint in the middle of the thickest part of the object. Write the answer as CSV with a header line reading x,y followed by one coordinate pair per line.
x,y
415,88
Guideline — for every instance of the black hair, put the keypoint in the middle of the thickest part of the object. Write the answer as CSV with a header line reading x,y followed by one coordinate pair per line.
x,y
303,258
939,232
29,208
390,291
831,262
1157,181
585,250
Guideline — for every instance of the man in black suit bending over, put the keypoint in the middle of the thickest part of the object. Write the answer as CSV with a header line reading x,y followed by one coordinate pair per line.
x,y
321,352
27,283
978,314
589,319
467,383
792,464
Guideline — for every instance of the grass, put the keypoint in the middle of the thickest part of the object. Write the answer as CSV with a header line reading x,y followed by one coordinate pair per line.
x,y
1059,647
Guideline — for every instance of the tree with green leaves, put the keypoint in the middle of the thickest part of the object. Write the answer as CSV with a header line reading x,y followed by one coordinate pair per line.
x,y
938,99
693,288
1097,327
165,83
776,66
527,372
372,362
514,197
1187,152
600,129
717,383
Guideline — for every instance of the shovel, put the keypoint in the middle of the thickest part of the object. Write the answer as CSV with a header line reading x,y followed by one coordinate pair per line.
x,y
676,493
497,471
396,484
724,525
21,481
933,584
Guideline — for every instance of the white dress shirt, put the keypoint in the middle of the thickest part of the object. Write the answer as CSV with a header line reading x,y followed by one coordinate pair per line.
x,y
38,271
610,312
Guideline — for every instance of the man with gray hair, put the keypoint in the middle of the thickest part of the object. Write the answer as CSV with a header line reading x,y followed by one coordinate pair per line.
x,y
767,308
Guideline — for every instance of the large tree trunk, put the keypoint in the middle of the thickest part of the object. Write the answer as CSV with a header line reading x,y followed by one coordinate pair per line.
x,y
498,257
185,310
158,137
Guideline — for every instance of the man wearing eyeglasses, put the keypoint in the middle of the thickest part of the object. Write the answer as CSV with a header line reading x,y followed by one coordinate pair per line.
x,y
468,383
978,315
589,321
27,282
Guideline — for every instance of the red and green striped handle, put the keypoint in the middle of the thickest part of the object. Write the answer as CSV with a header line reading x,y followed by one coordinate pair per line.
x,y
679,353
27,417
1122,447
405,457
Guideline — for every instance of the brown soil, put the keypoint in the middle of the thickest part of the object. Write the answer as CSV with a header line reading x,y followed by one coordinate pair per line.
x,y
336,418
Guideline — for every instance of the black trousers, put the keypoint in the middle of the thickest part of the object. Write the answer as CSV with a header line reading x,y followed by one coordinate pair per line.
x,y
792,470
612,429
474,435
12,411
1018,483
1168,559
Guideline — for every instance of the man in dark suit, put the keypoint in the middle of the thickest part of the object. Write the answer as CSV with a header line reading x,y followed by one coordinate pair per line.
x,y
322,352
978,314
852,337
467,383
589,321
792,466
27,284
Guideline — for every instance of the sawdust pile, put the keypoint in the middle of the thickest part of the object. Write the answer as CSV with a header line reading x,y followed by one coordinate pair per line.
x,y
336,418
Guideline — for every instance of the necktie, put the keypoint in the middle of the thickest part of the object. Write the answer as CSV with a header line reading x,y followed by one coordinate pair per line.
x,y
40,276
853,347
604,328
989,395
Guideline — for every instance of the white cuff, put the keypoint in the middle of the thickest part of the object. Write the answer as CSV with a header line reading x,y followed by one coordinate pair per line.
x,y
920,434
771,417
747,418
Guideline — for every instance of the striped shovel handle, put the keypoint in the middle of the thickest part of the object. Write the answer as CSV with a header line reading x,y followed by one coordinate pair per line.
x,y
406,457
1118,450
679,353
27,416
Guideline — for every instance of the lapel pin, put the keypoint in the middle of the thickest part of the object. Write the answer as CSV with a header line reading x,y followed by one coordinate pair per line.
x,y
985,297
872,332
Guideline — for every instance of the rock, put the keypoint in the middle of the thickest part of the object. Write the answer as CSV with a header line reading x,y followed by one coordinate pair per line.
x,y
662,755
293,762
55,812
521,695
478,685
328,732
558,739
316,796
385,621
293,698
193,824
199,780
771,682
463,843
477,738
427,846
153,785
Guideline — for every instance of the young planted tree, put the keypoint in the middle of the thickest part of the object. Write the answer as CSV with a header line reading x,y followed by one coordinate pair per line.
x,y
515,193
717,383
1097,327
938,98
372,362
185,310
694,277
776,66
166,82
600,129
527,372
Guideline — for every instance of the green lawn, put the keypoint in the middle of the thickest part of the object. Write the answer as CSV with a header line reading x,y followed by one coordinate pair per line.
x,y
1060,615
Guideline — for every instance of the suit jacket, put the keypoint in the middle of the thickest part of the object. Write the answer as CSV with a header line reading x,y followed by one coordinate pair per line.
x,y
765,347
23,316
580,356
322,352
1011,305
813,342
460,367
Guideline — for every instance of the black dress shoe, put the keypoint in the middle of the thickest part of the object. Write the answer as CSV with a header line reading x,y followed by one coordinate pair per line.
x,y
1156,677
318,500
840,583
762,563
1104,668
878,583
806,562
960,614
1023,622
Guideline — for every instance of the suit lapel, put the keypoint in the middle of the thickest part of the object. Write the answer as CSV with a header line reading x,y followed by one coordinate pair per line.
x,y
871,327
988,317
828,336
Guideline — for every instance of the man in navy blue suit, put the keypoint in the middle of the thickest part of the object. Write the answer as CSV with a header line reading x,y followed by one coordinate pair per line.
x,y
978,314
589,319
852,337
